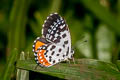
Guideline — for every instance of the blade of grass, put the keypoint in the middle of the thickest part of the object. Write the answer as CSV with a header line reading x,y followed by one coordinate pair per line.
x,y
37,26
118,64
88,22
55,7
118,8
115,54
34,28
10,66
103,14
39,18
22,74
17,24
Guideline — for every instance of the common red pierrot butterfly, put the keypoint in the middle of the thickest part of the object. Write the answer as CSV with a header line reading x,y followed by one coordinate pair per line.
x,y
55,44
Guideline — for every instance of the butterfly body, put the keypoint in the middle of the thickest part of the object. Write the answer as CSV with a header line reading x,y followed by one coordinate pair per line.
x,y
55,44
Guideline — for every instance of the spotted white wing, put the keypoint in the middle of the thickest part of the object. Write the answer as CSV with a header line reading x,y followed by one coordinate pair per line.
x,y
47,54
56,31
55,44
54,54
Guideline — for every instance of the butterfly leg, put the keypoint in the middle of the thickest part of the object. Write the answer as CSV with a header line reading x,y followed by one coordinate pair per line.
x,y
68,61
73,59
36,66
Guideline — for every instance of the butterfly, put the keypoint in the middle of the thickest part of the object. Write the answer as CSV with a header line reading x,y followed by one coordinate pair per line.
x,y
55,44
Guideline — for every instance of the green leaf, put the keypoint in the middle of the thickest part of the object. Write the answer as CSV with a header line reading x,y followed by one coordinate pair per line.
x,y
83,69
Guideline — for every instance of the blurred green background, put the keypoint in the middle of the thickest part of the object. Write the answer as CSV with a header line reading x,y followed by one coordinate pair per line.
x,y
94,26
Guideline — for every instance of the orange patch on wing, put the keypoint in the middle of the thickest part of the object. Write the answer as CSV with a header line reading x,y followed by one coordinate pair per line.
x,y
38,44
42,59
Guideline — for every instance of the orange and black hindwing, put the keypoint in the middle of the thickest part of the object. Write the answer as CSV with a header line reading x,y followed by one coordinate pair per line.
x,y
39,50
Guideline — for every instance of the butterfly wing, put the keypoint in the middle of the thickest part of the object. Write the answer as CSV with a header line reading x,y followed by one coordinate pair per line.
x,y
56,30
38,43
53,27
55,44
51,55
47,54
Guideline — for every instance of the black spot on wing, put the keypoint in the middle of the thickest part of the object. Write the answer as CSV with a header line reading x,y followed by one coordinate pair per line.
x,y
54,61
50,59
58,33
46,56
65,42
52,26
53,53
58,39
60,50
46,52
64,35
67,51
63,55
53,46
58,59
63,45
63,29
57,54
